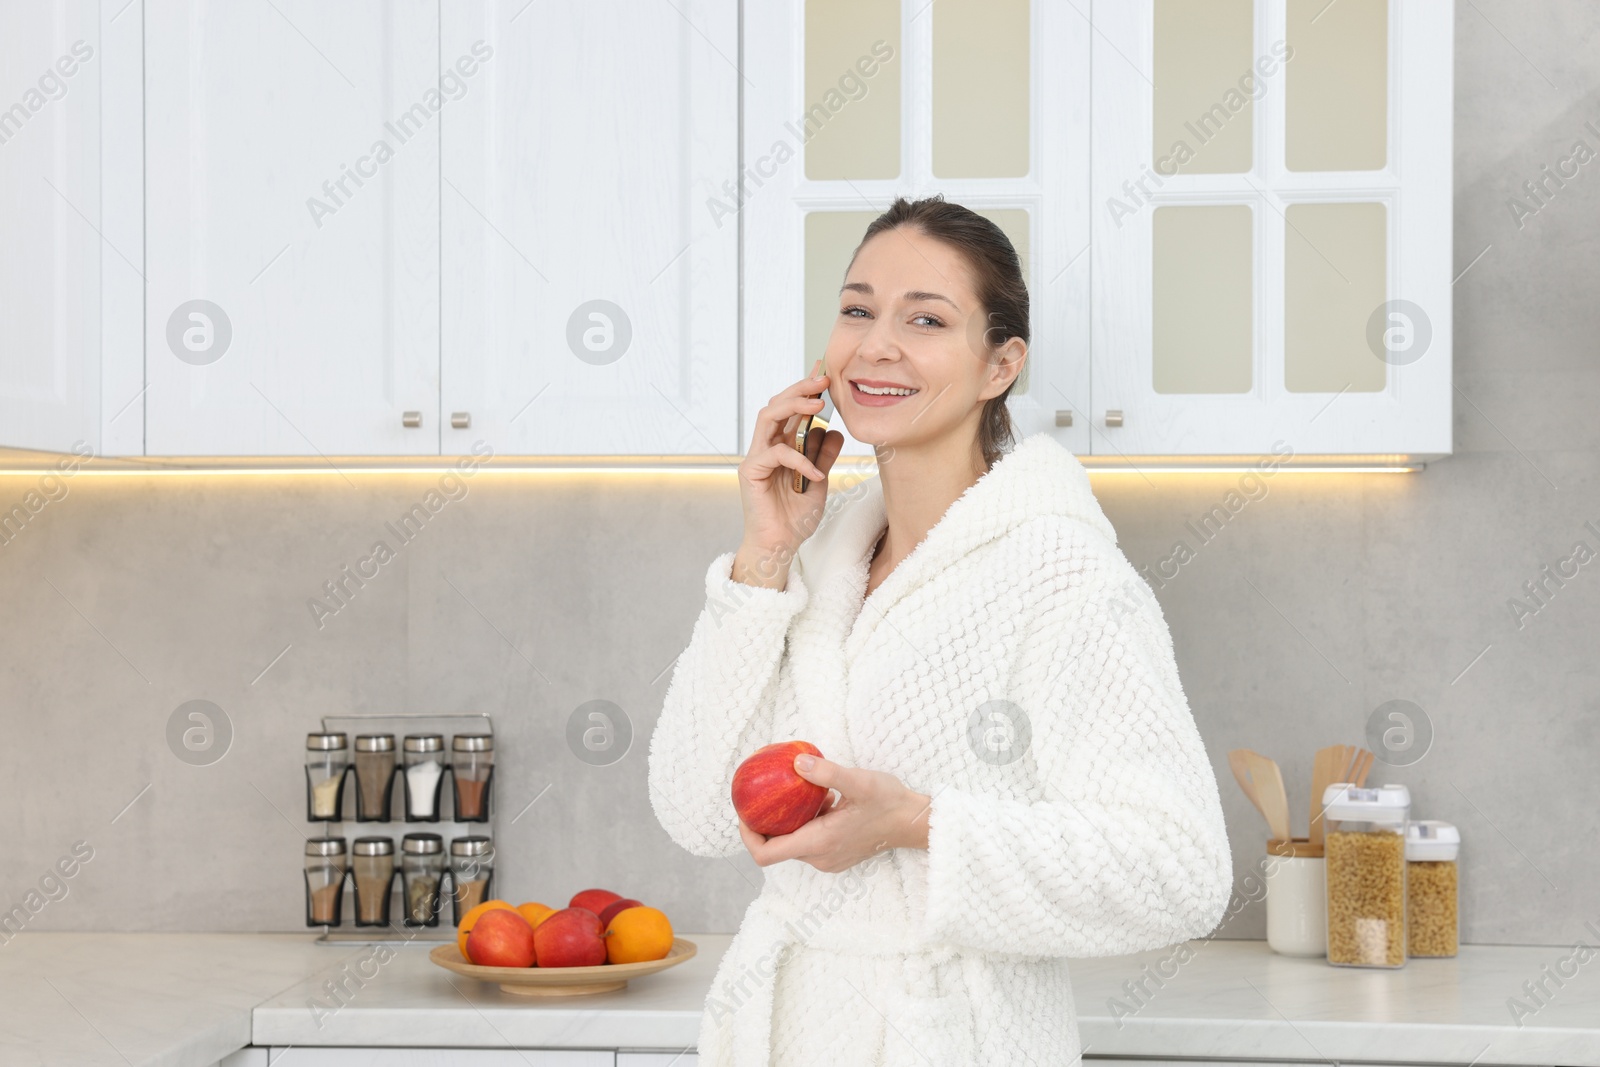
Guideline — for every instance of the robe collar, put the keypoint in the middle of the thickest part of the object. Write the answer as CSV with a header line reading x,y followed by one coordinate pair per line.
x,y
1037,478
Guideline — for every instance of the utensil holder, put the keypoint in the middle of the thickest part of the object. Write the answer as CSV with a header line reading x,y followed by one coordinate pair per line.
x,y
1297,897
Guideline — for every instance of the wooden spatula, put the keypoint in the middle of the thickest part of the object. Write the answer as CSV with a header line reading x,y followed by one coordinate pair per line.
x,y
1239,762
1326,766
1261,781
1274,797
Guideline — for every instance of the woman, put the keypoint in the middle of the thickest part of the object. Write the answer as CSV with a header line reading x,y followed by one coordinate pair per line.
x,y
1014,774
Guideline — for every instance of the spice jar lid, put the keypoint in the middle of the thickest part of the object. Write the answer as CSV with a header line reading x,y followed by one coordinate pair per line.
x,y
374,846
1430,839
424,743
472,742
1346,801
375,742
471,846
324,846
422,844
325,742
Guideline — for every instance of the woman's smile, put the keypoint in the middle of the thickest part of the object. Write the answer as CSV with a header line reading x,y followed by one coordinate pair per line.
x,y
872,393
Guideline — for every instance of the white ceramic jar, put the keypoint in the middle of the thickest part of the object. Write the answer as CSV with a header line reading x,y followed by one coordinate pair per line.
x,y
1297,898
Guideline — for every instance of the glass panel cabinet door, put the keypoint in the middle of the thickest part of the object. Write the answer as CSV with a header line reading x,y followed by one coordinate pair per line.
x,y
850,103
1272,227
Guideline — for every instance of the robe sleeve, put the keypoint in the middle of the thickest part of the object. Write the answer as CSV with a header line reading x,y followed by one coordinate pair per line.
x,y
1123,847
719,707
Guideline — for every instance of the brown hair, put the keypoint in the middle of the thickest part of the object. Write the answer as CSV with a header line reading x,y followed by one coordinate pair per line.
x,y
1001,290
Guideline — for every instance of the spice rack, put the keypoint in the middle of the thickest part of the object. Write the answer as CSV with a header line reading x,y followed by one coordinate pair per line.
x,y
447,825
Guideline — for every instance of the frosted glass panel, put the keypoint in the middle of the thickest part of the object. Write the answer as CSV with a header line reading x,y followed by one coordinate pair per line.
x,y
852,93
1205,80
831,239
1335,278
1203,276
980,88
1338,99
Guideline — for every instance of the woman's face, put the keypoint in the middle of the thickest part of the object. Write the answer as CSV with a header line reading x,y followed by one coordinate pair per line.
x,y
909,319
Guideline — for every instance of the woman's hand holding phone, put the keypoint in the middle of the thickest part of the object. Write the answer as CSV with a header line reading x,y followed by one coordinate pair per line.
x,y
776,518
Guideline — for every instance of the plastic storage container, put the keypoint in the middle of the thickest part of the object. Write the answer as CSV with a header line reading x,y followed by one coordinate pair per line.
x,y
1433,922
1365,850
1297,898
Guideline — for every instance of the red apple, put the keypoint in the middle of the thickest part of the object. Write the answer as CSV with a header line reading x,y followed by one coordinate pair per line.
x,y
593,899
501,938
572,937
616,906
769,794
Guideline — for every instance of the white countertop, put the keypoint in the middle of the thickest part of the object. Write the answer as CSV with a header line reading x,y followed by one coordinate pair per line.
x,y
189,999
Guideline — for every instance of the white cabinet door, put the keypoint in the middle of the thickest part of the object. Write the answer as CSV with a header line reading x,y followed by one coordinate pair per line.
x,y
52,257
590,299
1272,229
304,1056
292,169
851,105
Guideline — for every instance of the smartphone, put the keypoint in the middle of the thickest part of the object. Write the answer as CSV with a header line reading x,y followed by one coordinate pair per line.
x,y
815,424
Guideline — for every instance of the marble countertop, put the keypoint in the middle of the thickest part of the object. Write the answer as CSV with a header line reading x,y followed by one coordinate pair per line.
x,y
189,999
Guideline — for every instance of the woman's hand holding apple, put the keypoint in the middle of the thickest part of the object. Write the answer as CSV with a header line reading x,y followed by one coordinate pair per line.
x,y
872,811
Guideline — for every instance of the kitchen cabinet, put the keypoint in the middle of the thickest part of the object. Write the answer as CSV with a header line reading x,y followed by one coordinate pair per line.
x,y
590,299
1270,263
860,103
401,228
56,264
292,227
1272,227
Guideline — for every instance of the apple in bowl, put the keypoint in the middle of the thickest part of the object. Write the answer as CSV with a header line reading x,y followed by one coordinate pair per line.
x,y
769,794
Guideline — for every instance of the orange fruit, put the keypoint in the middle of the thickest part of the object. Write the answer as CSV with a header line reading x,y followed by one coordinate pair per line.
x,y
471,917
637,935
535,912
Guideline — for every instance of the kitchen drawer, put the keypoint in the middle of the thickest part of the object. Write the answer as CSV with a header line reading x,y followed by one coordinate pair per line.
x,y
444,1057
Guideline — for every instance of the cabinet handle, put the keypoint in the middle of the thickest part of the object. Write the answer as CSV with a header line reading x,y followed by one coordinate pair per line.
x,y
1064,418
460,420
411,419
1114,417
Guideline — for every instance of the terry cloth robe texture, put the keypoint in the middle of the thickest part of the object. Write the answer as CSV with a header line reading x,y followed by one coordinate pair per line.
x,y
1018,670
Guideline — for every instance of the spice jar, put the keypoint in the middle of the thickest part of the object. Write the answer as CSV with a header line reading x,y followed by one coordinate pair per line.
x,y
1297,903
472,768
327,758
423,776
372,863
1432,919
1365,849
324,880
421,867
471,872
375,769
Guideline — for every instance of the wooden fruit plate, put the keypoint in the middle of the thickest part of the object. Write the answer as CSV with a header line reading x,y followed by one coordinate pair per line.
x,y
561,981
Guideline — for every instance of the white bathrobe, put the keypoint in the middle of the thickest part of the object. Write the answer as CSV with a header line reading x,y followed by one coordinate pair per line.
x,y
1015,668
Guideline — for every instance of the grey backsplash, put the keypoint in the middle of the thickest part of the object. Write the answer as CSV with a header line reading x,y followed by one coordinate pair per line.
x,y
1317,602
